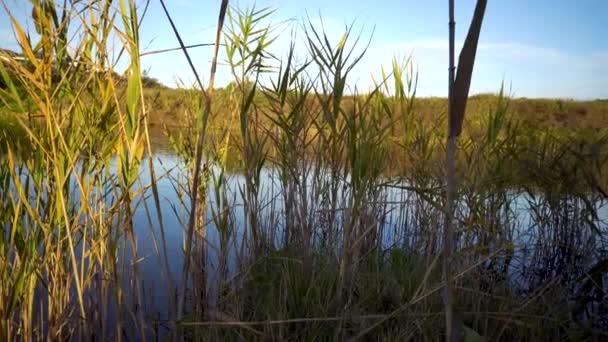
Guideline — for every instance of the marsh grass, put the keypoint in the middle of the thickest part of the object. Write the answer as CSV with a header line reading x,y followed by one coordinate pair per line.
x,y
68,237
318,209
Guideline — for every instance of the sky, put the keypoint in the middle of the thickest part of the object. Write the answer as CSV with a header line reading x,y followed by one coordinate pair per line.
x,y
539,48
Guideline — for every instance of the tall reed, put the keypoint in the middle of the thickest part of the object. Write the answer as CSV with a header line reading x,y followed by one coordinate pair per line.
x,y
309,208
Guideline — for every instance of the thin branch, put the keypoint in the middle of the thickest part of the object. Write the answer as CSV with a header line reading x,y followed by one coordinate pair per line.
x,y
199,147
448,229
155,52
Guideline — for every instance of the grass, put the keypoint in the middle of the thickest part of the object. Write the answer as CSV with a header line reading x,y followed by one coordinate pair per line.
x,y
562,116
333,228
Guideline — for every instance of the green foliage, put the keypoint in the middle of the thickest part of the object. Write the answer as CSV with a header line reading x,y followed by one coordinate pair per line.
x,y
328,253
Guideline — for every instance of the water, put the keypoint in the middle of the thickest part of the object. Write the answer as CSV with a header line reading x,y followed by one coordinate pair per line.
x,y
402,217
404,224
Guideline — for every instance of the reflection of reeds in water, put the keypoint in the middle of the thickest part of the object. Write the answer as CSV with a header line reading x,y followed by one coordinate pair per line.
x,y
331,226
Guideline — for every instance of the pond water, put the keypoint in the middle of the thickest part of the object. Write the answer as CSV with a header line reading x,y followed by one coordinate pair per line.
x,y
404,222
534,240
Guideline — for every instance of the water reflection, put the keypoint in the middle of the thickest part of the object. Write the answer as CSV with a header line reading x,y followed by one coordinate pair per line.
x,y
526,240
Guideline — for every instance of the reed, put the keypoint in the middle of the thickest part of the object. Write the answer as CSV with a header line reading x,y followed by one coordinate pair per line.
x,y
309,208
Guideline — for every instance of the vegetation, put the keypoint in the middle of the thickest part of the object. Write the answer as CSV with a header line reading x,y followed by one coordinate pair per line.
x,y
167,105
310,212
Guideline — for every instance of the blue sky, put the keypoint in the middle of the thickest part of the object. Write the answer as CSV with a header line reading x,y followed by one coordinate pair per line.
x,y
540,48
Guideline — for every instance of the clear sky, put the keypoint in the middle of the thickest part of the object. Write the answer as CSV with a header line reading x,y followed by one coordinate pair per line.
x,y
540,48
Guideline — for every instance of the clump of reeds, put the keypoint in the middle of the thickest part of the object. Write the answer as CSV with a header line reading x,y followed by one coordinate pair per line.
x,y
328,227
69,247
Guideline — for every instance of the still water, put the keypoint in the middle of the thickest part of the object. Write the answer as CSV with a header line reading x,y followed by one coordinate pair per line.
x,y
529,227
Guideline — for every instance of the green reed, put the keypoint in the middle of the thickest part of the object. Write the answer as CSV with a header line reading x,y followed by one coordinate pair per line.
x,y
334,231
72,216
